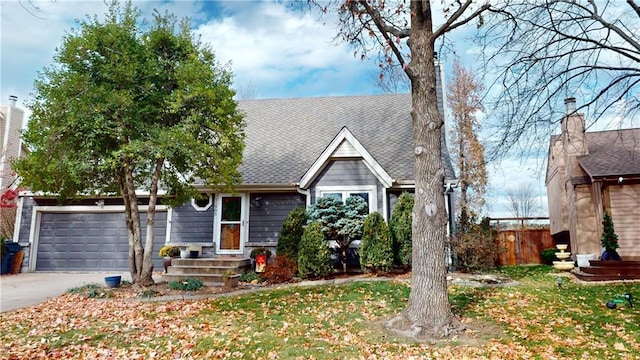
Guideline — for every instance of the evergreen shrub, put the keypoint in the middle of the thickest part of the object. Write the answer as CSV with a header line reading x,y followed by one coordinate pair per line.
x,y
314,256
291,233
376,251
400,227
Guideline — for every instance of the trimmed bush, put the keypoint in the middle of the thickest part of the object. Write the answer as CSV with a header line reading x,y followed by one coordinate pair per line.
x,y
190,284
400,228
548,256
376,251
313,255
291,233
280,270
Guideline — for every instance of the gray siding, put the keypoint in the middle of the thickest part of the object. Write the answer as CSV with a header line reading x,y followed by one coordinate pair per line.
x,y
192,226
347,173
265,219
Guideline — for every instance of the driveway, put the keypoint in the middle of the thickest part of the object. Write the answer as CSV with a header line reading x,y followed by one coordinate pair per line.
x,y
27,289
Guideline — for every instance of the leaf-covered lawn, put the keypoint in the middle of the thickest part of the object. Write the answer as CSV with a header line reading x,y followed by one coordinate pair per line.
x,y
536,320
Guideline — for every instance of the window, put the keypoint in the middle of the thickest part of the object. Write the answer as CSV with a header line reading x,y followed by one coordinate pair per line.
x,y
368,193
202,203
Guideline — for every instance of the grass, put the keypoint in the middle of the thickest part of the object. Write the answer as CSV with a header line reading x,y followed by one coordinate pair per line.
x,y
536,320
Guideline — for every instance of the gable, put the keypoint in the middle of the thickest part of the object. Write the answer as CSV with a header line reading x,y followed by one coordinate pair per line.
x,y
345,145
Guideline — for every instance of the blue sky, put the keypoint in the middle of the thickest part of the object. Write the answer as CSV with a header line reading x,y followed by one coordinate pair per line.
x,y
280,51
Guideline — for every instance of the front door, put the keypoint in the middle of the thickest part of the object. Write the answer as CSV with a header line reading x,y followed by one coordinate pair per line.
x,y
230,224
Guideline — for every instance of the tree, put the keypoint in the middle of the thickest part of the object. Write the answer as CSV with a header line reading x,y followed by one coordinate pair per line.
x,y
464,98
127,107
522,200
383,26
340,222
546,51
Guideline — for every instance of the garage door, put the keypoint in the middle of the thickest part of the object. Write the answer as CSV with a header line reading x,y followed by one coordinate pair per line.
x,y
90,241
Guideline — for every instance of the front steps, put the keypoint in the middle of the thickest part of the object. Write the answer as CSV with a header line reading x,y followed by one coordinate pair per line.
x,y
209,270
609,270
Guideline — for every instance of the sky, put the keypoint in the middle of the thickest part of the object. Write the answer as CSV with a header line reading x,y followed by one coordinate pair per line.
x,y
276,50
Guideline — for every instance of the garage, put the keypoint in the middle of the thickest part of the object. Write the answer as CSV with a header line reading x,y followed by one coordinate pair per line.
x,y
90,241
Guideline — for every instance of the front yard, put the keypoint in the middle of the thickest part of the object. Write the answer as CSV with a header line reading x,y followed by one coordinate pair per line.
x,y
536,319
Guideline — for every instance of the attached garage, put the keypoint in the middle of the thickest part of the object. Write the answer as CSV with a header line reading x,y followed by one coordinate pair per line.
x,y
74,239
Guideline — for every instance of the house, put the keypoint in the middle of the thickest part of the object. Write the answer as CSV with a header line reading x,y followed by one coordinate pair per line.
x,y
297,150
588,174
11,121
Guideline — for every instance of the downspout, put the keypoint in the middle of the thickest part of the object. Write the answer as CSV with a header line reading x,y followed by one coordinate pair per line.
x,y
305,193
451,229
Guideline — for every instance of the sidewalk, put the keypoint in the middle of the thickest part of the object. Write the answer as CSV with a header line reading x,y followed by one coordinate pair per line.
x,y
26,289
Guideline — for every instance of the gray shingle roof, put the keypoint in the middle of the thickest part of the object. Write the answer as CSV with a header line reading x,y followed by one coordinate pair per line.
x,y
285,136
612,153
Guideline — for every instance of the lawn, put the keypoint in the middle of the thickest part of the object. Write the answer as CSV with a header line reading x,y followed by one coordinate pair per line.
x,y
535,320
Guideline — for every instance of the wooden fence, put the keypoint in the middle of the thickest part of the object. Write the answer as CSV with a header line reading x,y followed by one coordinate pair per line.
x,y
522,245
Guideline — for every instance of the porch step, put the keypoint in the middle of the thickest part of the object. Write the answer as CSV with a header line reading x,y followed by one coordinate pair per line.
x,y
609,270
209,270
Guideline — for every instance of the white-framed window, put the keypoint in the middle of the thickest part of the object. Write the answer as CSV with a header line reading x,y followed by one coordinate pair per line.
x,y
202,204
367,192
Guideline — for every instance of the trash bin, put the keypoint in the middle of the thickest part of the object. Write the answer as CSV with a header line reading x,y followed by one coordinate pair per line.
x,y
7,256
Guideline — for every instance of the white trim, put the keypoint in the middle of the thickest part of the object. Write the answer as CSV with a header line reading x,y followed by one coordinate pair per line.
x,y
16,229
34,233
202,208
326,155
371,189
385,204
167,235
243,222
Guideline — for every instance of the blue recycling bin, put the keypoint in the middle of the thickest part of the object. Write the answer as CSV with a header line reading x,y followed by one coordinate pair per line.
x,y
7,256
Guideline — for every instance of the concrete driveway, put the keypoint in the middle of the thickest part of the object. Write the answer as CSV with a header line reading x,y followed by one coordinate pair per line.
x,y
27,289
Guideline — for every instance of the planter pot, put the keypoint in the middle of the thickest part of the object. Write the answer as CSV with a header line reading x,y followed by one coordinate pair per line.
x,y
112,281
583,259
610,255
231,281
193,254
184,254
166,263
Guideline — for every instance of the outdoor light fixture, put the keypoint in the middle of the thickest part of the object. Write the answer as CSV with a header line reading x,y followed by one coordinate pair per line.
x,y
620,180
629,298
560,282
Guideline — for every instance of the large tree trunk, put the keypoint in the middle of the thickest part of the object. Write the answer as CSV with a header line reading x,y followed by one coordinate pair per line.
x,y
136,251
146,277
428,312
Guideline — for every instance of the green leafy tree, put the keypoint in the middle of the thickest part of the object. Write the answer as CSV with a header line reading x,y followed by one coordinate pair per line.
x,y
400,226
376,251
291,233
127,106
340,222
314,255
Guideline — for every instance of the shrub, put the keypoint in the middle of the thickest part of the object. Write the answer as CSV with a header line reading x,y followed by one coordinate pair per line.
x,y
291,233
400,228
548,255
609,239
313,255
189,284
281,270
476,248
250,276
340,222
169,251
376,251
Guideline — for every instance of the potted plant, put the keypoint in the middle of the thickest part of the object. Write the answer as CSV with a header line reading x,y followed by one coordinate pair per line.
x,y
260,256
230,279
609,240
167,253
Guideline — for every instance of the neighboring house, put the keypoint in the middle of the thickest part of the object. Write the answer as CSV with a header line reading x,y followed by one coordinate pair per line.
x,y
588,174
297,150
11,119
